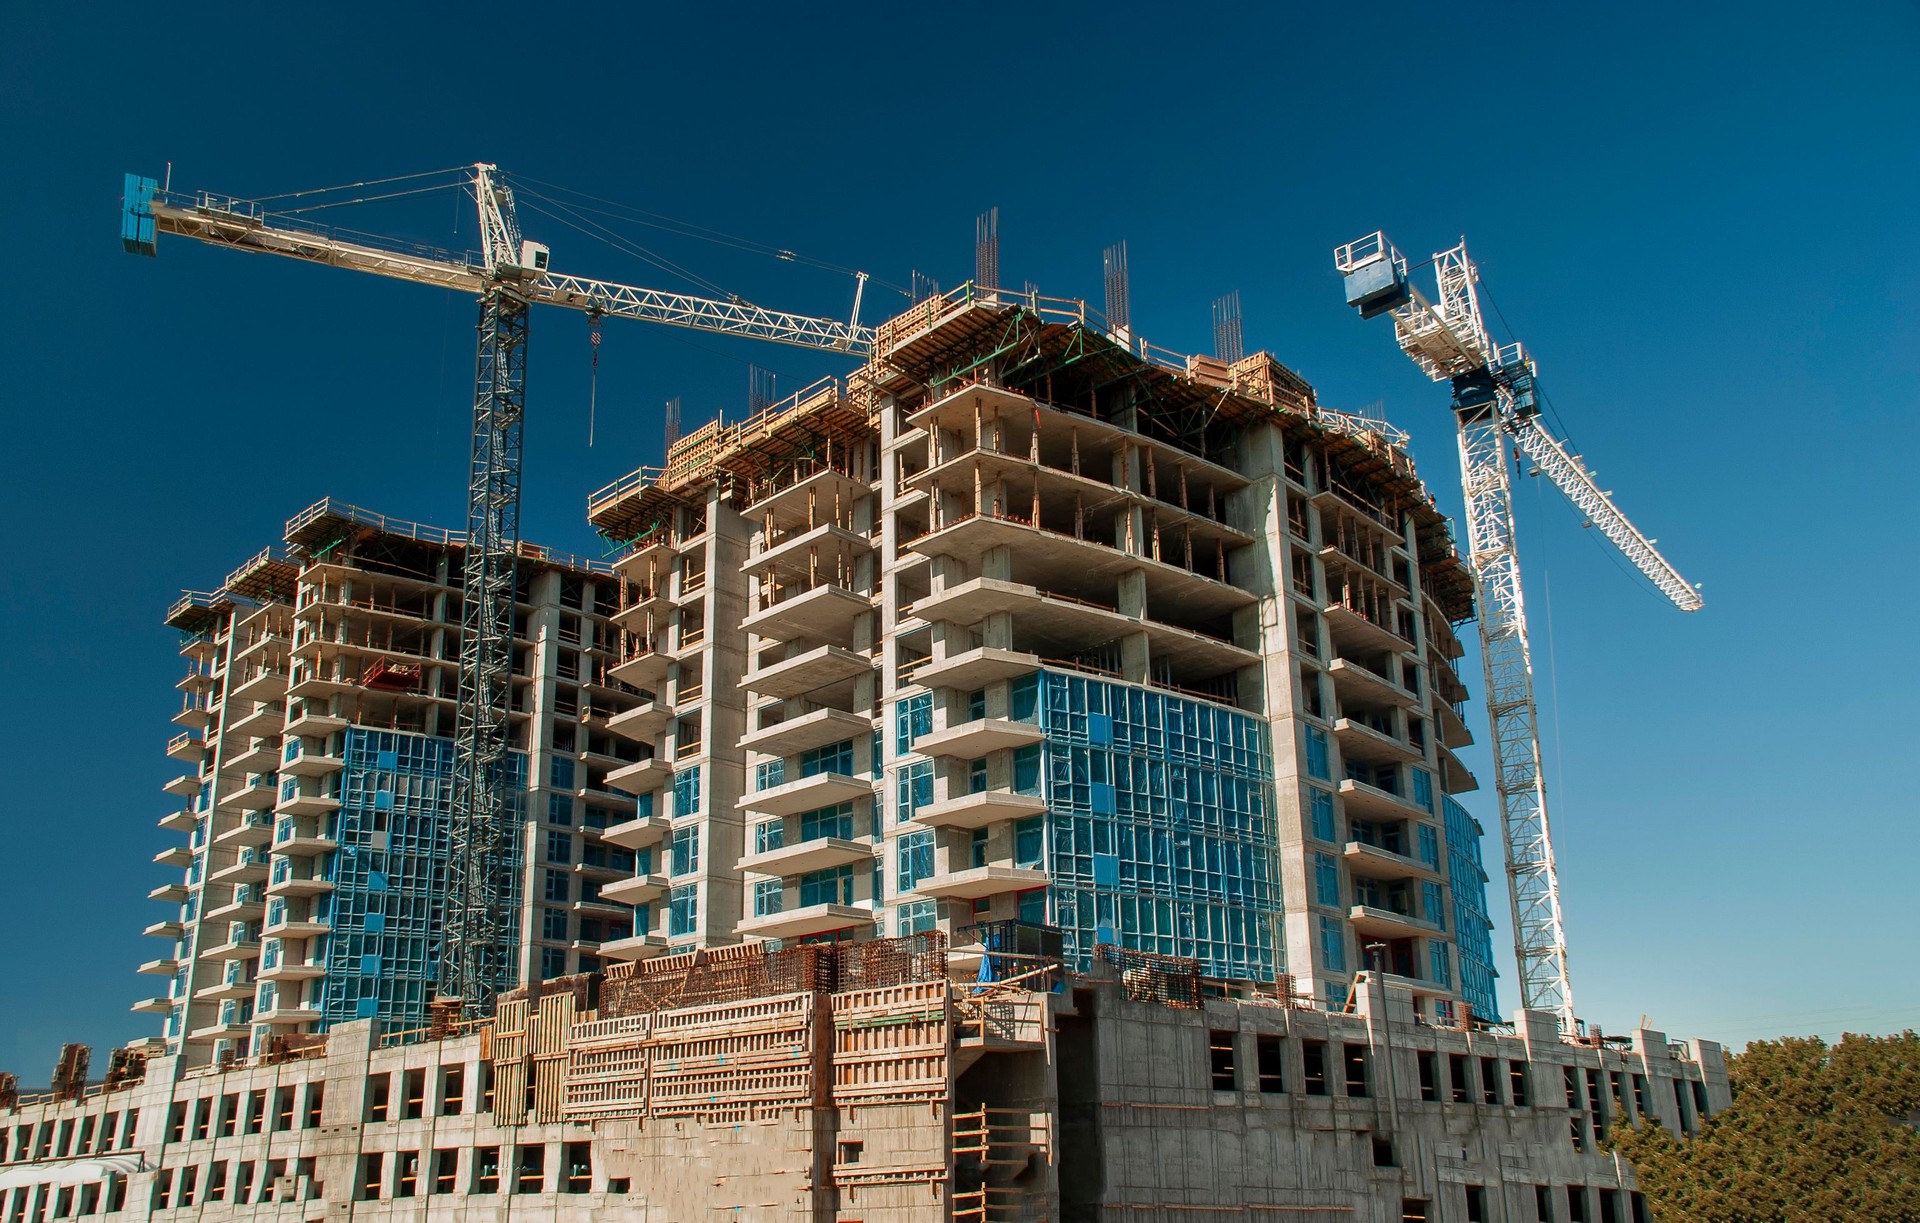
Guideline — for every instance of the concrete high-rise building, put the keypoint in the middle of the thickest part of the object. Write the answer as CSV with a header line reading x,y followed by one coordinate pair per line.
x,y
318,725
1030,621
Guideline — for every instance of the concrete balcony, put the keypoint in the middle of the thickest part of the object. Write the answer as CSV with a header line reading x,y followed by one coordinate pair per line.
x,y
219,1031
225,991
642,777
637,890
263,684
980,810
978,881
256,795
1071,623
1349,627
288,1015
972,740
153,1006
179,821
299,885
261,719
808,731
806,672
655,548
600,906
169,893
1358,741
308,721
319,685
310,762
255,829
176,856
637,834
645,671
293,972
825,613
1049,551
792,507
304,802
1367,687
975,668
232,949
184,786
1453,728
1388,924
237,910
239,872
806,921
164,929
643,723
649,600
254,756
634,947
807,794
804,856
1373,802
1366,861
301,841
1456,778
297,927
617,800
793,554
187,748
165,967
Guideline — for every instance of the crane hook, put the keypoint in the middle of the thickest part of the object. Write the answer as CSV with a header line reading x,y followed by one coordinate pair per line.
x,y
593,380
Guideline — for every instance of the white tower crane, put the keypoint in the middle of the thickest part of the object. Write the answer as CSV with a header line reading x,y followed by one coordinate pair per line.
x,y
1494,400
509,276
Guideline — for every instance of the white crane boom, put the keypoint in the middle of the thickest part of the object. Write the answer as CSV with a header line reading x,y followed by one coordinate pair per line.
x,y
1494,399
222,221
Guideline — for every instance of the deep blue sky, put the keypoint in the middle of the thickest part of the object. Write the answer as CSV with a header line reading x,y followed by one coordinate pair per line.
x,y
1700,218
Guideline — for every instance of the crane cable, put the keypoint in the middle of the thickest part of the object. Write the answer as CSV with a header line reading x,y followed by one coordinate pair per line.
x,y
593,378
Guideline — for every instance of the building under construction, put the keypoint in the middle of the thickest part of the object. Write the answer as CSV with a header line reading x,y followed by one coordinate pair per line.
x,y
1015,782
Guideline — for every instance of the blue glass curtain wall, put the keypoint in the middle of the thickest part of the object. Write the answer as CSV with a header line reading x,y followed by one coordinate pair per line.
x,y
1160,824
1471,925
389,875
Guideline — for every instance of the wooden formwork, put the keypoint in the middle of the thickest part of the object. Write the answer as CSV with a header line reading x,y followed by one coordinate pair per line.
x,y
890,1044
510,1061
607,1061
757,1057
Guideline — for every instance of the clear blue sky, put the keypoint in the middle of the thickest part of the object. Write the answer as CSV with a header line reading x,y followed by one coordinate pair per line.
x,y
1700,218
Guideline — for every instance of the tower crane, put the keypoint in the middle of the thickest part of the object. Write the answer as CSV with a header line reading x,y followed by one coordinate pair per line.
x,y
1495,401
509,276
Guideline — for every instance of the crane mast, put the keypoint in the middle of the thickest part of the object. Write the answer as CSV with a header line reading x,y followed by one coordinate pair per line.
x,y
1494,399
509,277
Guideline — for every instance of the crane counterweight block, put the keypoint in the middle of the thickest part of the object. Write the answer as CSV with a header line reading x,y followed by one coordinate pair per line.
x,y
137,229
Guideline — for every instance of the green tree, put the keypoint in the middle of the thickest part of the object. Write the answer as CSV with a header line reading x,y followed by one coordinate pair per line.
x,y
1814,1133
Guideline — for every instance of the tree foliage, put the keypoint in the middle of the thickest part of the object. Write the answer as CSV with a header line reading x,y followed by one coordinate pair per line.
x,y
1814,1133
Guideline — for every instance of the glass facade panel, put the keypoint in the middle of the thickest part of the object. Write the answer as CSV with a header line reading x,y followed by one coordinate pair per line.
x,y
912,717
1320,813
389,875
1159,832
915,855
1326,880
1471,925
1317,765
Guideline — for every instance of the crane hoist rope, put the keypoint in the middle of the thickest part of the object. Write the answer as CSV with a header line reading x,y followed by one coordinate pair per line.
x,y
510,276
1496,404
